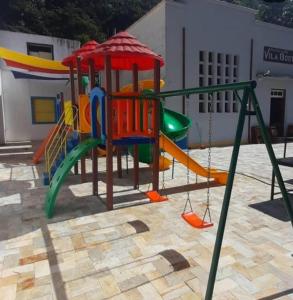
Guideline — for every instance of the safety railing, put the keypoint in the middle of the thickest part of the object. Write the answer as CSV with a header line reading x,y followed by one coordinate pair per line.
x,y
132,115
57,142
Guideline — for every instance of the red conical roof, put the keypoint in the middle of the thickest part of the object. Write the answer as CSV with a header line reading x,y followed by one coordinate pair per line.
x,y
84,49
125,51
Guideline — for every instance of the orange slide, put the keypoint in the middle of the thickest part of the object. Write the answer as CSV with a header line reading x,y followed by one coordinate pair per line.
x,y
41,150
167,145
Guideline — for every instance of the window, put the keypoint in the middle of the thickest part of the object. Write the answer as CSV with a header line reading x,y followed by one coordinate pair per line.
x,y
227,102
235,103
201,103
210,103
43,110
219,102
277,93
201,81
227,106
201,56
201,69
217,68
40,50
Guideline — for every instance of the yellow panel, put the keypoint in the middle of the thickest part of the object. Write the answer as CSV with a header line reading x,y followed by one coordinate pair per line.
x,y
84,125
44,110
44,118
68,113
143,84
32,60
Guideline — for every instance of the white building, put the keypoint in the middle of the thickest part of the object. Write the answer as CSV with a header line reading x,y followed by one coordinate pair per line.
x,y
221,43
17,122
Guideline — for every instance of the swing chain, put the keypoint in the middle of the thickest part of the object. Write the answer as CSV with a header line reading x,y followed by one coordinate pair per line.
x,y
164,154
150,145
210,110
188,200
164,157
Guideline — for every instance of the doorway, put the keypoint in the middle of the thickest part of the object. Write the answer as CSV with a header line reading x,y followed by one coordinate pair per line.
x,y
277,112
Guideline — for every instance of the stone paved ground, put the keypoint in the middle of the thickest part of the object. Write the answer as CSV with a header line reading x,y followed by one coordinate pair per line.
x,y
144,251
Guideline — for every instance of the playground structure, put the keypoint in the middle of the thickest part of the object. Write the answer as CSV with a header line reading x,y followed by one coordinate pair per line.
x,y
124,118
133,118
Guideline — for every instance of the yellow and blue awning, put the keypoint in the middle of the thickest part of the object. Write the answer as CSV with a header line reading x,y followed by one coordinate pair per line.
x,y
26,66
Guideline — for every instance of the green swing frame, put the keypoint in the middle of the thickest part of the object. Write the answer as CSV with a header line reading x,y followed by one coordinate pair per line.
x,y
248,89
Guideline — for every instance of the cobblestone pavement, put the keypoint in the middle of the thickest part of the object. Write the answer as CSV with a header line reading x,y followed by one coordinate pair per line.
x,y
142,251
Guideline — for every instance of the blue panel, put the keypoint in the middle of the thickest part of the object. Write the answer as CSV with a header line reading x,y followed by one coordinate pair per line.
x,y
97,97
182,143
58,111
20,75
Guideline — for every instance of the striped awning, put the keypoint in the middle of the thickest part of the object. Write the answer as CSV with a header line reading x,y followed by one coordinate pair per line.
x,y
26,66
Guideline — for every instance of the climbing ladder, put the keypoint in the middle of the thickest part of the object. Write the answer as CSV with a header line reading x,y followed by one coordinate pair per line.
x,y
57,145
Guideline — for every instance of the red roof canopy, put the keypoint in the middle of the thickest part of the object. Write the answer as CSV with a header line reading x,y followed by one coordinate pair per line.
x,y
84,49
125,51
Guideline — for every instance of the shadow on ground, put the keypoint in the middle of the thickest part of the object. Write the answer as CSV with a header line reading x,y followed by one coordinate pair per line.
x,y
274,208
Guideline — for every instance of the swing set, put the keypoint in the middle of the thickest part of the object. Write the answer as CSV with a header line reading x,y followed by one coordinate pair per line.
x,y
247,90
189,215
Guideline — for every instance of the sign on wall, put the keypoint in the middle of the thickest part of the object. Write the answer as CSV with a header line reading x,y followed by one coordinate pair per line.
x,y
278,55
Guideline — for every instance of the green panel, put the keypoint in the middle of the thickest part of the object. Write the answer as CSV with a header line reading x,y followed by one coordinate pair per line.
x,y
60,175
173,124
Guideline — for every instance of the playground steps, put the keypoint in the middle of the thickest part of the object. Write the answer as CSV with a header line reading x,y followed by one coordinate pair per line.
x,y
71,142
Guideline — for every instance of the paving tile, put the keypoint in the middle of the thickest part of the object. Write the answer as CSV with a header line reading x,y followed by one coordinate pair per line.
x,y
42,269
115,255
109,286
8,292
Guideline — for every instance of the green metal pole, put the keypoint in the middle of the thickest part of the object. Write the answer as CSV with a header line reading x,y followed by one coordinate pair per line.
x,y
227,197
272,156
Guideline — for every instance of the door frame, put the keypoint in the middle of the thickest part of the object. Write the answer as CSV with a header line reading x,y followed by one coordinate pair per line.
x,y
278,94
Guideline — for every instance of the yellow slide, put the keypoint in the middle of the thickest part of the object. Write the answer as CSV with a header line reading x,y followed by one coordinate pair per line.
x,y
167,145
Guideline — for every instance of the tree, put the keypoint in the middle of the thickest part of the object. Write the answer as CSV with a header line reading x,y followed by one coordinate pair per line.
x,y
98,19
75,19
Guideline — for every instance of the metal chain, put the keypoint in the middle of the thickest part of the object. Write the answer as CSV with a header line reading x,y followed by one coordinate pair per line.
x,y
164,157
164,153
188,200
211,108
151,148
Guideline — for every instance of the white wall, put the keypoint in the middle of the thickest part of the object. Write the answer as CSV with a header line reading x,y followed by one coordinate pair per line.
x,y
17,93
212,26
271,35
219,27
263,93
279,37
150,30
17,41
17,106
